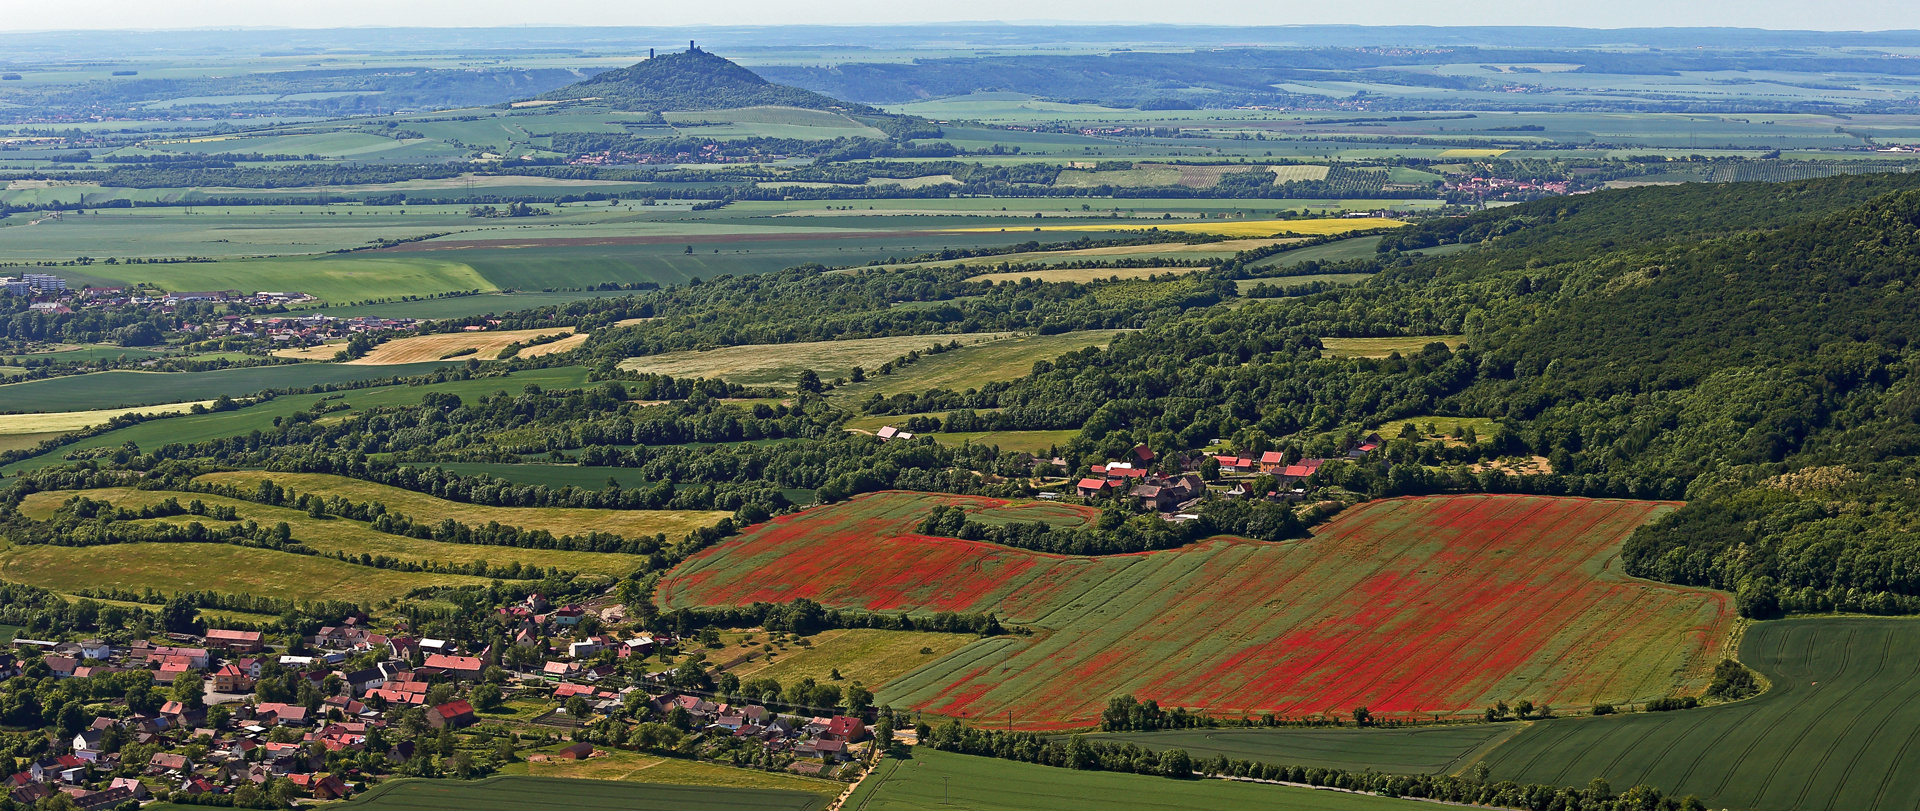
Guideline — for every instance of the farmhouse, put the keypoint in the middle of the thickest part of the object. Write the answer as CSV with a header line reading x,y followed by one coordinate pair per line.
x,y
236,641
453,714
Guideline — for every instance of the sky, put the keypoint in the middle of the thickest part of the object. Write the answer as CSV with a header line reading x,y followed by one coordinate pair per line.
x,y
1867,15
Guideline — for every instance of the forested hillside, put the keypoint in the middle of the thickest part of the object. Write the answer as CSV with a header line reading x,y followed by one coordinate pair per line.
x,y
691,80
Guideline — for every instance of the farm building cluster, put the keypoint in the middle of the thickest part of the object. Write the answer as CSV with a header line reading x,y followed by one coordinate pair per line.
x,y
319,720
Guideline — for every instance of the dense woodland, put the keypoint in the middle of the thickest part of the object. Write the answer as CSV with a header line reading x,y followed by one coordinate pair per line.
x,y
1743,347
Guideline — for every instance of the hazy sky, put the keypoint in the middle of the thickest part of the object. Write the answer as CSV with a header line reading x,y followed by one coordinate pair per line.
x,y
1874,15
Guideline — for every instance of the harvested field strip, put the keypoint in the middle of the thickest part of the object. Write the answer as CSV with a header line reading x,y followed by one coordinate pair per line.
x,y
1081,274
63,421
1418,750
932,780
427,348
178,567
1834,731
1506,596
421,506
333,534
513,793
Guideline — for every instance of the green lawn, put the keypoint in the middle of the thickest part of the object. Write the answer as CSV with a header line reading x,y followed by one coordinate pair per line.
x,y
1835,731
1419,750
933,781
518,793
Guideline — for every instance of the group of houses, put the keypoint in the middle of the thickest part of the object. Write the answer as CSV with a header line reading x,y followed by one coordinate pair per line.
x,y
818,743
253,741
1169,493
300,330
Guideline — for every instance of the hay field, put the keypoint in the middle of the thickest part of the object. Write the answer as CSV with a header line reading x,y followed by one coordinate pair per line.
x,y
1079,274
567,344
1233,228
334,534
1290,174
1006,358
781,364
869,656
63,421
1198,250
180,567
557,520
426,348
1382,347
933,780
1473,153
702,788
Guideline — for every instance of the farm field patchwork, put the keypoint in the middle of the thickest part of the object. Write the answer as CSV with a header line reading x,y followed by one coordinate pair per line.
x,y
932,780
557,520
179,567
188,428
1510,597
781,364
340,535
1836,730
58,422
485,345
123,389
1414,750
1081,274
518,792
1005,356
1245,228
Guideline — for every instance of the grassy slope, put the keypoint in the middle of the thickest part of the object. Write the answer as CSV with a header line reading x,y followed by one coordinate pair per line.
x,y
514,793
420,506
1080,274
1836,730
973,365
932,780
211,567
202,427
1382,347
781,364
868,656
335,534
121,389
1418,750
62,421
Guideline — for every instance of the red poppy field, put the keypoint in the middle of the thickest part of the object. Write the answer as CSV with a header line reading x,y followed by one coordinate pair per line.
x,y
1405,606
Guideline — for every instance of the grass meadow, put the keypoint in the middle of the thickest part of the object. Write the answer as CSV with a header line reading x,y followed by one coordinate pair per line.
x,y
179,567
334,534
518,792
126,390
1005,356
420,506
1413,750
188,428
781,364
869,656
1382,347
1836,729
931,780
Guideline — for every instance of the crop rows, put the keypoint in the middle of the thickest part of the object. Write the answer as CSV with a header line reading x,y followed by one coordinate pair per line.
x,y
1838,729
1407,606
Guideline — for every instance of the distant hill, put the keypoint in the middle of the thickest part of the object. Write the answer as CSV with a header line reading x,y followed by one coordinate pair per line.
x,y
693,80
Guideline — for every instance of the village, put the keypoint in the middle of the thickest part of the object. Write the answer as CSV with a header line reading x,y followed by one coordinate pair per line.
x,y
1173,489
232,718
